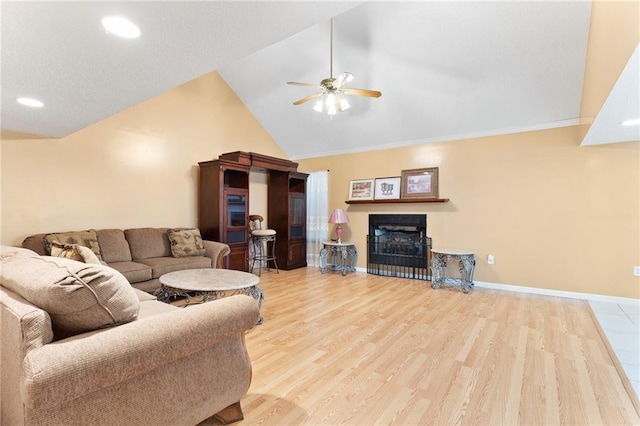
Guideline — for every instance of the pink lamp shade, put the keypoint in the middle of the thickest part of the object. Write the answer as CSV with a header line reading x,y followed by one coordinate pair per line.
x,y
338,217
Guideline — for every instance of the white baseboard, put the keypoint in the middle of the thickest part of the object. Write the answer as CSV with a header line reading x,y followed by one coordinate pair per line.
x,y
560,293
549,292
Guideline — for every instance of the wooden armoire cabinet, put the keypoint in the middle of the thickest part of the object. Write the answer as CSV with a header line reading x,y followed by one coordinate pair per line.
x,y
287,210
223,207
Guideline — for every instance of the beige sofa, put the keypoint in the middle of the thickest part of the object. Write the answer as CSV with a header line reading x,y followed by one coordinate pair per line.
x,y
142,255
105,353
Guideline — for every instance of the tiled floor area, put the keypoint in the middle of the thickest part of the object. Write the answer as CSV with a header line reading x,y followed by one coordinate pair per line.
x,y
621,324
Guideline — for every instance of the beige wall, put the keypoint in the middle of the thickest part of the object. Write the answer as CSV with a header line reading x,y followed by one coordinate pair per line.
x,y
138,168
258,192
555,215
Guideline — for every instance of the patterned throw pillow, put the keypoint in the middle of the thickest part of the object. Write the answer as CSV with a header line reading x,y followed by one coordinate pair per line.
x,y
87,238
74,252
186,242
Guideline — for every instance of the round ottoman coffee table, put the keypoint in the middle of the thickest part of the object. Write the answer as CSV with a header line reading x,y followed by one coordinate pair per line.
x,y
203,285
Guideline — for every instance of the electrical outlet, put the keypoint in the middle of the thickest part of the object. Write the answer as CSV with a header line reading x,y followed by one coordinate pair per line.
x,y
636,271
490,259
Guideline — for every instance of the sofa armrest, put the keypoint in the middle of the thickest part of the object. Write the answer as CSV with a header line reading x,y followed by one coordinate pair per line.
x,y
65,370
217,252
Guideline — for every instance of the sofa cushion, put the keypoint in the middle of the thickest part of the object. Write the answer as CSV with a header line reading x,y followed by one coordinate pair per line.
x,y
146,243
74,252
149,286
143,296
86,238
77,296
8,251
134,272
113,245
36,243
163,265
185,242
149,308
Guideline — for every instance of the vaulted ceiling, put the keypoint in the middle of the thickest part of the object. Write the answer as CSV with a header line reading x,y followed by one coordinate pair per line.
x,y
446,70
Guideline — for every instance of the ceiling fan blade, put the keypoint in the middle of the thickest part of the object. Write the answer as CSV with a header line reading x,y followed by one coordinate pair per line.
x,y
307,99
295,83
363,92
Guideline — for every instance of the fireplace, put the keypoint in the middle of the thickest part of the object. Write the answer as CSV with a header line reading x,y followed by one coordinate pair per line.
x,y
398,246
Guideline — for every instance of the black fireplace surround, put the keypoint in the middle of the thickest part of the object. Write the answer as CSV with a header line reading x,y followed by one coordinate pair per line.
x,y
398,246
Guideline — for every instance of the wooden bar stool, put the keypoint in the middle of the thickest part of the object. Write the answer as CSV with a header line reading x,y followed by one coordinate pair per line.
x,y
264,244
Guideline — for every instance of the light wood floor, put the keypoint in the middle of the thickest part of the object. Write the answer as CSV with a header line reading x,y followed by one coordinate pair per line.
x,y
365,350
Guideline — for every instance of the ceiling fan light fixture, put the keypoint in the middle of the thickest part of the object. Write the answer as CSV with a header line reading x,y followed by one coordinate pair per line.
x,y
331,102
343,103
319,106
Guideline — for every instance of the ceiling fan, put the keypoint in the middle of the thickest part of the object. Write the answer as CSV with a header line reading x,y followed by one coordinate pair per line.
x,y
332,90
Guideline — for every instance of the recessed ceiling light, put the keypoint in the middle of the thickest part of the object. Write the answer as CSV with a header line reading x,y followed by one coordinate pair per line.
x,y
634,122
121,27
30,102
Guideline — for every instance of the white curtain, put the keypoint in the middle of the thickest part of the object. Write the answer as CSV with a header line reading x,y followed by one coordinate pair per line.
x,y
317,214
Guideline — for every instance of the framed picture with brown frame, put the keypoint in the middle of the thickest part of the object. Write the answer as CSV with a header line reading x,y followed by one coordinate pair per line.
x,y
420,183
361,189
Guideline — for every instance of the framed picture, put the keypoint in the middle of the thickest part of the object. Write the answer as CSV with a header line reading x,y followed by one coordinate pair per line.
x,y
361,189
420,183
387,188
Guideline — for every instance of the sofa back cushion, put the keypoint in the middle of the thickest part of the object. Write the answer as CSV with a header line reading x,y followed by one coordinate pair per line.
x,y
78,297
146,243
36,243
114,245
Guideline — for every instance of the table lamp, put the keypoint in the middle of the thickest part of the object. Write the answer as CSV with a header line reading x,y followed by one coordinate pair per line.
x,y
339,216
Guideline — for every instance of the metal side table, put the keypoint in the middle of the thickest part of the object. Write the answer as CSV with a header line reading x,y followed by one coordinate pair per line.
x,y
343,257
466,264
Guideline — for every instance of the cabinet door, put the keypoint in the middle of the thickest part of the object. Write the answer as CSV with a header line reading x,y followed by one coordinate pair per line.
x,y
235,217
297,216
236,206
297,254
238,258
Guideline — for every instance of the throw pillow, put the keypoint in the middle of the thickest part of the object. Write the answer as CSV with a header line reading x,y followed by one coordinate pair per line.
x,y
87,238
79,297
74,252
186,242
